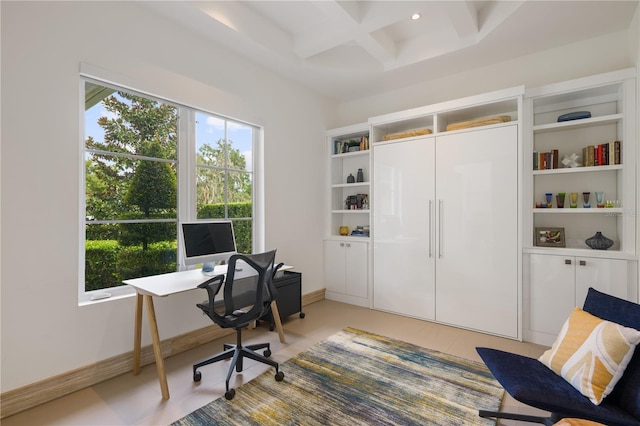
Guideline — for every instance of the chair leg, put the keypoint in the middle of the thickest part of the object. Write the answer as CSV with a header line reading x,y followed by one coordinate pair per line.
x,y
238,352
218,357
548,421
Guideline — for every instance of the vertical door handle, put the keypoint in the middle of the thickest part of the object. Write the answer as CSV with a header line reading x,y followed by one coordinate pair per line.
x,y
430,228
441,233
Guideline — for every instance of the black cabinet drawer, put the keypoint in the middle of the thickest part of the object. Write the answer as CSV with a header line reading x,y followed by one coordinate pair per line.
x,y
288,295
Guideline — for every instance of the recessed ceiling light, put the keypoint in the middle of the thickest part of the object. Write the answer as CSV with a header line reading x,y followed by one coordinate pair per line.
x,y
415,16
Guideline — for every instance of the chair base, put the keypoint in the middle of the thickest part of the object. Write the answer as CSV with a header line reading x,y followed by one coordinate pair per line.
x,y
548,421
238,352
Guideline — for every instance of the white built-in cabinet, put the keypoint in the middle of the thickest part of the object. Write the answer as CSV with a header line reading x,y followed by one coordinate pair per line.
x,y
346,257
404,227
557,278
445,212
453,214
558,283
445,242
346,264
477,226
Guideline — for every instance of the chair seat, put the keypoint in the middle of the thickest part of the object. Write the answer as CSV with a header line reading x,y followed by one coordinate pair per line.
x,y
548,391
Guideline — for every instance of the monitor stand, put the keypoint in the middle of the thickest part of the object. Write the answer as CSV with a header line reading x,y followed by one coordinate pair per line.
x,y
208,268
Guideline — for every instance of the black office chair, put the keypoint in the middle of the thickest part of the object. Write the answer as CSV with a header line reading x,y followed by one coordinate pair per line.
x,y
531,382
248,293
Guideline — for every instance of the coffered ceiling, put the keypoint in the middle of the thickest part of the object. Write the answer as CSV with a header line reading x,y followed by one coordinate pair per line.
x,y
346,49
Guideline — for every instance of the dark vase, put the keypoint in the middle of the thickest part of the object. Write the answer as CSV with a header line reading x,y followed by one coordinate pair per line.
x,y
599,242
360,176
351,179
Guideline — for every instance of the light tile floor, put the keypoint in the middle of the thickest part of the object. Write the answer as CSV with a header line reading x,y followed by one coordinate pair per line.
x,y
136,400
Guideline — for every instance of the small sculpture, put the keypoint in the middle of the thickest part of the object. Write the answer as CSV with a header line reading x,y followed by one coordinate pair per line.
x,y
571,160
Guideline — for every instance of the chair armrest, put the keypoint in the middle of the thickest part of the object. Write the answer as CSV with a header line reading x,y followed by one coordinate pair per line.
x,y
212,286
276,268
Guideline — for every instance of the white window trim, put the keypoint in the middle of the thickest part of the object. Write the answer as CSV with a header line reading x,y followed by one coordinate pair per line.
x,y
186,160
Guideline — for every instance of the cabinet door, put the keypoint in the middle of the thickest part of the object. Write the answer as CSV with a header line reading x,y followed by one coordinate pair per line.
x,y
334,266
605,275
403,217
551,292
356,256
477,222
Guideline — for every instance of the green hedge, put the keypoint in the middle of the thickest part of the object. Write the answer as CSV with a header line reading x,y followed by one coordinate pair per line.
x,y
108,262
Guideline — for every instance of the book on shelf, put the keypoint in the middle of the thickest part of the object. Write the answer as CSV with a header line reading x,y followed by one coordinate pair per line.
x,y
349,145
604,154
545,160
588,155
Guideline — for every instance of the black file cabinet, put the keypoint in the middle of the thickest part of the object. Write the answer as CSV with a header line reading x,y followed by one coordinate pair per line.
x,y
288,297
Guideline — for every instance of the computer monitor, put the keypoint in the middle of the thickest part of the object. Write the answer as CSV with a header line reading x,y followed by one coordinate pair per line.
x,y
208,242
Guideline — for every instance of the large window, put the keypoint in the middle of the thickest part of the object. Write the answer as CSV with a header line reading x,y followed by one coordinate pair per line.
x,y
136,186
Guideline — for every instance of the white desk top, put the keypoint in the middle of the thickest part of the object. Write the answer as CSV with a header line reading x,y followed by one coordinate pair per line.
x,y
177,282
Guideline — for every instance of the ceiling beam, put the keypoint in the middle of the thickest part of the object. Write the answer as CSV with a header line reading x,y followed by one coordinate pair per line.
x,y
463,16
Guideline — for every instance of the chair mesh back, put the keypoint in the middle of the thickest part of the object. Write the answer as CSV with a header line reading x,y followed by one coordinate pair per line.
x,y
246,280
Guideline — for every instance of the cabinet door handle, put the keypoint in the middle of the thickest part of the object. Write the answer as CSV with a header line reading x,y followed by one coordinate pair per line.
x,y
341,244
441,233
583,263
567,261
348,245
430,227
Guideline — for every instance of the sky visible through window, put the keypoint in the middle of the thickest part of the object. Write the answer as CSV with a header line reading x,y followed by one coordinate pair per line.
x,y
208,131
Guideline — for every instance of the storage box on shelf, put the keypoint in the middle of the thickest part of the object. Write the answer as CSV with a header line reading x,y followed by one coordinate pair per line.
x,y
496,108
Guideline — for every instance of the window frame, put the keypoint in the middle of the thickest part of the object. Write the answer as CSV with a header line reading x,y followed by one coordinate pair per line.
x,y
185,162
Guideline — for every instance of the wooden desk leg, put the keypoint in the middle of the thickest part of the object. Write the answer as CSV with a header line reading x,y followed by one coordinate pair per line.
x,y
137,336
276,319
157,349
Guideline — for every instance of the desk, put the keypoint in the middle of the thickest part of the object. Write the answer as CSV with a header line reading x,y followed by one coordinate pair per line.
x,y
165,285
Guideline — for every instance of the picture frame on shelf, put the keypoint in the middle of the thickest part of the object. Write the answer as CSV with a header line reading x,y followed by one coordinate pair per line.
x,y
550,237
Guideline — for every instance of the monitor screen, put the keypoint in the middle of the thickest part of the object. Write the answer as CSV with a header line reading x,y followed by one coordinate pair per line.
x,y
208,241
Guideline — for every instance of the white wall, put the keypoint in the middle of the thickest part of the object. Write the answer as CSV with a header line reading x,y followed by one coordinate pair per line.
x,y
44,331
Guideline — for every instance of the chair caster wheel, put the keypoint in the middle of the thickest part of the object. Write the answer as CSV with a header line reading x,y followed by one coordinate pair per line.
x,y
197,376
279,376
267,353
230,394
271,328
302,314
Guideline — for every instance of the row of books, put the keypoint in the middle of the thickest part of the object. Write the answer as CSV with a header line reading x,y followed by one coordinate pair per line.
x,y
592,155
351,145
605,154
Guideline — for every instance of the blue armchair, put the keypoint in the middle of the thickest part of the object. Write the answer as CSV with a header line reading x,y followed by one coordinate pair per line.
x,y
531,382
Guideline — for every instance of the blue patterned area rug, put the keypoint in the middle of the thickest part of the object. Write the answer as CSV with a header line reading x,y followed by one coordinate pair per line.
x,y
359,378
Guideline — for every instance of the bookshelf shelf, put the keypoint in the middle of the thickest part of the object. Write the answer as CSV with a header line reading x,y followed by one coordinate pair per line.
x,y
578,124
589,169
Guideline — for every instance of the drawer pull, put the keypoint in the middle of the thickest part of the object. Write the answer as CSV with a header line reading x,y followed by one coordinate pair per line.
x,y
583,263
567,261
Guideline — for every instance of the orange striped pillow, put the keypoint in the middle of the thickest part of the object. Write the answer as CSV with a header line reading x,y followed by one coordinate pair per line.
x,y
591,353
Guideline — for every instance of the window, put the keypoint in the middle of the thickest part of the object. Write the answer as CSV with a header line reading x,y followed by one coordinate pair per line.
x,y
133,182
224,177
